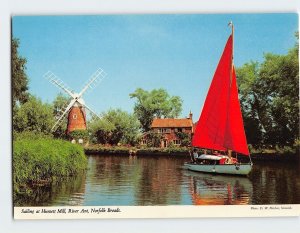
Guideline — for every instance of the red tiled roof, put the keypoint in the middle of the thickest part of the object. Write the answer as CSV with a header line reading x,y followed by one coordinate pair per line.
x,y
171,123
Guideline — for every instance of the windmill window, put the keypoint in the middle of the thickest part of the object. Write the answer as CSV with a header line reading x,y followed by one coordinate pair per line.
x,y
75,116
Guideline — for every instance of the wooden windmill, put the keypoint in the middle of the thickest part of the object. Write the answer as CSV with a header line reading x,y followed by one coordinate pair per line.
x,y
76,107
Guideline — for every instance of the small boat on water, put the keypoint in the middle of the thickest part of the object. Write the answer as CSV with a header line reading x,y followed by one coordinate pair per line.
x,y
220,128
213,164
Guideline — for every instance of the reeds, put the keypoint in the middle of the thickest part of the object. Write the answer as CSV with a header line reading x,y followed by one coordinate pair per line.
x,y
38,161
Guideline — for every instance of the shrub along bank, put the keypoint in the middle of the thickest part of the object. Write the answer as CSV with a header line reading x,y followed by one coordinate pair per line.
x,y
256,155
123,150
41,160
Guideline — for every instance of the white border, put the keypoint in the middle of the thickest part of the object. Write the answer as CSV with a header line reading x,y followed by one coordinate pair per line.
x,y
116,212
36,7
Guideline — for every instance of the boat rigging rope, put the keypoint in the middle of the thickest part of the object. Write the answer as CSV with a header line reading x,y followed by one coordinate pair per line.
x,y
250,159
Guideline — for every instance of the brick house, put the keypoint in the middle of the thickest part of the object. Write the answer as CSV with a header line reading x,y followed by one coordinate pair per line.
x,y
168,127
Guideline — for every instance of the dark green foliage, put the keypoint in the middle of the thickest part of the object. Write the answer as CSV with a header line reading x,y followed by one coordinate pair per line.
x,y
154,139
19,77
269,94
38,160
29,135
106,150
185,138
33,116
156,103
115,126
59,105
121,150
79,134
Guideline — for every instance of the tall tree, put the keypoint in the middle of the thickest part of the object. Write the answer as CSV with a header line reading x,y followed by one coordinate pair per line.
x,y
59,104
270,98
116,126
251,103
19,77
34,116
156,103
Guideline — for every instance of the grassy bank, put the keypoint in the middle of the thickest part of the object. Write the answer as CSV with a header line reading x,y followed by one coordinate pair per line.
x,y
120,150
263,155
41,160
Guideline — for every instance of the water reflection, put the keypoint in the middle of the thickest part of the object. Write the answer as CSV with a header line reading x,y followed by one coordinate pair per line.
x,y
131,180
159,183
68,190
207,189
276,183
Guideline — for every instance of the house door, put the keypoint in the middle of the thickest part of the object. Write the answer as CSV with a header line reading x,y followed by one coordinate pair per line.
x,y
165,143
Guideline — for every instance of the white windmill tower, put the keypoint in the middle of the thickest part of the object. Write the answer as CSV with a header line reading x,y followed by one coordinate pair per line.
x,y
76,107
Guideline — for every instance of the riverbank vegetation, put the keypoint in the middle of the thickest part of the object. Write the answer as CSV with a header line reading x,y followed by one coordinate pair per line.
x,y
285,155
138,150
39,159
269,96
115,127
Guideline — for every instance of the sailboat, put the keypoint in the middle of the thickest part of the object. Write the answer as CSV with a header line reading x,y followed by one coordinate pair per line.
x,y
220,128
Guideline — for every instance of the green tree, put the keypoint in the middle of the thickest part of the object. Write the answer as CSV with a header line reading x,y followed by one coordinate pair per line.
x,y
116,126
79,134
34,116
252,104
59,105
156,103
185,138
19,77
154,139
270,98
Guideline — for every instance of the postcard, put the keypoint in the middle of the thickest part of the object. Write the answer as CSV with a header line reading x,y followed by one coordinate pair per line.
x,y
155,116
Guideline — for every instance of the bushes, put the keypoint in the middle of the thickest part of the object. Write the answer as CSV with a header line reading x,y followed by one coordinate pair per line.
x,y
30,135
102,149
121,150
38,160
79,134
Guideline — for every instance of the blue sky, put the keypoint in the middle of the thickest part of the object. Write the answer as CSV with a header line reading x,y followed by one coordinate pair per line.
x,y
176,52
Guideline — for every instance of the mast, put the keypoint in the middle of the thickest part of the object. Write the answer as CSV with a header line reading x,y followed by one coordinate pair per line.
x,y
230,24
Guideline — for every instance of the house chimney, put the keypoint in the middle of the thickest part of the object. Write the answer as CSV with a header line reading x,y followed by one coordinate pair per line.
x,y
191,115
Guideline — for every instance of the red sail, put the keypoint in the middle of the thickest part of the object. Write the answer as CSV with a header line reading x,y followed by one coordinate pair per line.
x,y
210,129
235,138
220,126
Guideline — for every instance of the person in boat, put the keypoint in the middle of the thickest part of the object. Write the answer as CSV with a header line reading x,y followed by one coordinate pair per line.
x,y
217,153
195,155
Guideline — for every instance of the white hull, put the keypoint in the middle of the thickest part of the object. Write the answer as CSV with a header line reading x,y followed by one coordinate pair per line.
x,y
232,169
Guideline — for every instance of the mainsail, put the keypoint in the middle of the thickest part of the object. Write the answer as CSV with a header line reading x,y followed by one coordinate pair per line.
x,y
220,126
235,138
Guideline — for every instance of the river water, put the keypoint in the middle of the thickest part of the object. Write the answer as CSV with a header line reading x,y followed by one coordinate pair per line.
x,y
130,180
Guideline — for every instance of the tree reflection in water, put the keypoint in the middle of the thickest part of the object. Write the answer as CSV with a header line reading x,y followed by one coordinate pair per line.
x,y
148,180
70,190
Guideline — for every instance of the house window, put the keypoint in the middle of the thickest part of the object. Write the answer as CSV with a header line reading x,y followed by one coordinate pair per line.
x,y
176,142
164,130
144,142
